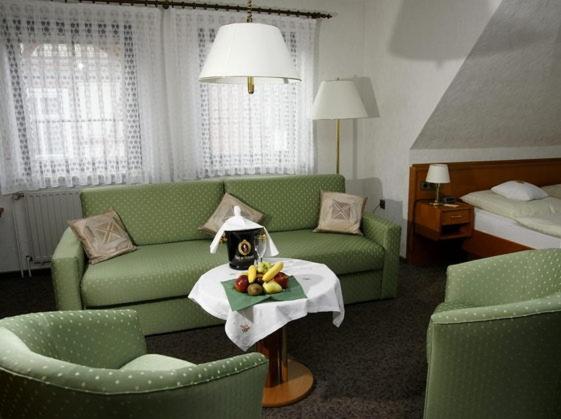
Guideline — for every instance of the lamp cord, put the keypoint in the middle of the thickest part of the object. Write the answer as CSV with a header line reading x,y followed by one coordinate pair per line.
x,y
249,11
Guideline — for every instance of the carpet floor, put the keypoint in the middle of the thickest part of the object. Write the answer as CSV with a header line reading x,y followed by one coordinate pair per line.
x,y
373,366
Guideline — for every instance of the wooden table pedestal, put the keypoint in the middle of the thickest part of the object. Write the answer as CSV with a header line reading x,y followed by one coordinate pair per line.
x,y
288,381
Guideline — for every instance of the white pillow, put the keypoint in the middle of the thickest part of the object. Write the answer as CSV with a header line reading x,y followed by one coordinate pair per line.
x,y
519,191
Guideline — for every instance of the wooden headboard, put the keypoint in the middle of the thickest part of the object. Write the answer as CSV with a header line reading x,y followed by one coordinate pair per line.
x,y
466,177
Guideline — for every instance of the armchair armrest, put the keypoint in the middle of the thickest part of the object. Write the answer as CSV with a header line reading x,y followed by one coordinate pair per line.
x,y
549,304
503,358
228,388
67,267
89,338
504,279
388,235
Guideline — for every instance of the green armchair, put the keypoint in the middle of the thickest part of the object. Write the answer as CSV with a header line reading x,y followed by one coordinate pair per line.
x,y
494,345
93,364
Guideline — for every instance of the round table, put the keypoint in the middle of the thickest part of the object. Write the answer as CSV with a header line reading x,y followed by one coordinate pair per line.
x,y
263,325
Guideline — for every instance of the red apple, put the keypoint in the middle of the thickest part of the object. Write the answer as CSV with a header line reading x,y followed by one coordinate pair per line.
x,y
282,279
241,283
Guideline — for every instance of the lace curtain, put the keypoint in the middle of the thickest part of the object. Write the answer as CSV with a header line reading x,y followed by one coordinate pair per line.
x,y
99,94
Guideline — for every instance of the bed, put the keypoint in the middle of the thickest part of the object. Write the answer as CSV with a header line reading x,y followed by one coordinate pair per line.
x,y
508,229
493,234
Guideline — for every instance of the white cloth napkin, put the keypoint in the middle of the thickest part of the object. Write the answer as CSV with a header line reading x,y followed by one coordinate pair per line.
x,y
239,223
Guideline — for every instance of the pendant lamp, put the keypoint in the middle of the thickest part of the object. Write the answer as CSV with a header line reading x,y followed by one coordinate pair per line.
x,y
251,53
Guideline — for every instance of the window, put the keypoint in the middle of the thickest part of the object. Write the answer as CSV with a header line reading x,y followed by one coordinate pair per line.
x,y
73,88
77,109
103,94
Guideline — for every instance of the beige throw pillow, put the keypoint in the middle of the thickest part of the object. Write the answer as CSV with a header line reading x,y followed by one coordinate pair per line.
x,y
340,213
225,210
103,236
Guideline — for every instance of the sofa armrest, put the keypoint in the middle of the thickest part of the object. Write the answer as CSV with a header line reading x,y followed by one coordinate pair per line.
x,y
388,235
68,265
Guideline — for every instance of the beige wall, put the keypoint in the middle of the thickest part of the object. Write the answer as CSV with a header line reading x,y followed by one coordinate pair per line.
x,y
413,50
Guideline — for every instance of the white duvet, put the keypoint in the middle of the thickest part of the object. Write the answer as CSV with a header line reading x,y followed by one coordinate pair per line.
x,y
542,215
547,224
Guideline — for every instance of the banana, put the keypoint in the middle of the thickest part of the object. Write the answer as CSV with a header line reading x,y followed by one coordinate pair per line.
x,y
272,287
251,274
275,269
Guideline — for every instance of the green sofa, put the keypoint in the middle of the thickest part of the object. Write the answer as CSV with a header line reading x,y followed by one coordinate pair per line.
x,y
494,344
172,253
93,364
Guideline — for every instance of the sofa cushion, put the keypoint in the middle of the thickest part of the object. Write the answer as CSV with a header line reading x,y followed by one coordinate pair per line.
x,y
169,270
153,272
161,213
343,253
288,202
155,362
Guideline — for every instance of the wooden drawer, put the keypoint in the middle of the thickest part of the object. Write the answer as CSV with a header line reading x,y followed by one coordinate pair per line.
x,y
456,217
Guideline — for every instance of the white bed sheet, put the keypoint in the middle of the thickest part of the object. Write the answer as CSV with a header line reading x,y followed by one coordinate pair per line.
x,y
509,229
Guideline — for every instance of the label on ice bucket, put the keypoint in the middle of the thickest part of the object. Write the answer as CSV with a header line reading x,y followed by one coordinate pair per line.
x,y
244,248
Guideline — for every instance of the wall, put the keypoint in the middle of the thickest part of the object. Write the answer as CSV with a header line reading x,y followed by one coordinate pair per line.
x,y
507,92
413,50
404,56
339,54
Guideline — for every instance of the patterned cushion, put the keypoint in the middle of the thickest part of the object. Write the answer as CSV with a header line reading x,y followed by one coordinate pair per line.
x,y
161,213
340,213
342,253
225,210
288,202
152,272
102,236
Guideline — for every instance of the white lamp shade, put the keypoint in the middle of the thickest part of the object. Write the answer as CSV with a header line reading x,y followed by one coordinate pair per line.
x,y
438,173
242,50
338,99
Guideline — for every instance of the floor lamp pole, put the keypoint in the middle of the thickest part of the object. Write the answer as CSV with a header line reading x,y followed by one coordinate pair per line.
x,y
338,129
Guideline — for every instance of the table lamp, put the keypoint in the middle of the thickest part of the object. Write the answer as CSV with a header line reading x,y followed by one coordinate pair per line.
x,y
338,99
438,174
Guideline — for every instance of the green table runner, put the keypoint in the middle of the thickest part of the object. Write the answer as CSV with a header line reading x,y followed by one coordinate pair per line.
x,y
238,300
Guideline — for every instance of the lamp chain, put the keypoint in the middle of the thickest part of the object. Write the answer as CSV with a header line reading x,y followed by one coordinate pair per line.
x,y
249,11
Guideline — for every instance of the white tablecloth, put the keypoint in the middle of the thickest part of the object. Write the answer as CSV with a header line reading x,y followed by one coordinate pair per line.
x,y
248,326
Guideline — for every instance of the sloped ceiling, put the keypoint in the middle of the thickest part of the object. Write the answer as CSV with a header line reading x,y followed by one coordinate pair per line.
x,y
508,91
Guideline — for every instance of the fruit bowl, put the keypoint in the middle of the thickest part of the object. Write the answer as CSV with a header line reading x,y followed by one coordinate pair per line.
x,y
265,278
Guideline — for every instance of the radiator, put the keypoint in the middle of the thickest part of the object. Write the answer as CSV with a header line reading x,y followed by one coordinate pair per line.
x,y
47,213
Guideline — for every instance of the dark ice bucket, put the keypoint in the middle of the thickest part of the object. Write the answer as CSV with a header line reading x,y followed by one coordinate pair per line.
x,y
241,248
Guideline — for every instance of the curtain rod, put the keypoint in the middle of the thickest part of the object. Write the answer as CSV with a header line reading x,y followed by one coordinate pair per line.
x,y
216,6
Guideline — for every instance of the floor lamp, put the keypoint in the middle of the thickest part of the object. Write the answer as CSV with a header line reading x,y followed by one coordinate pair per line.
x,y
338,99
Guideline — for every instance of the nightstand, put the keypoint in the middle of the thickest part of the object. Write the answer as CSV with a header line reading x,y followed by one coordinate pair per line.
x,y
443,222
